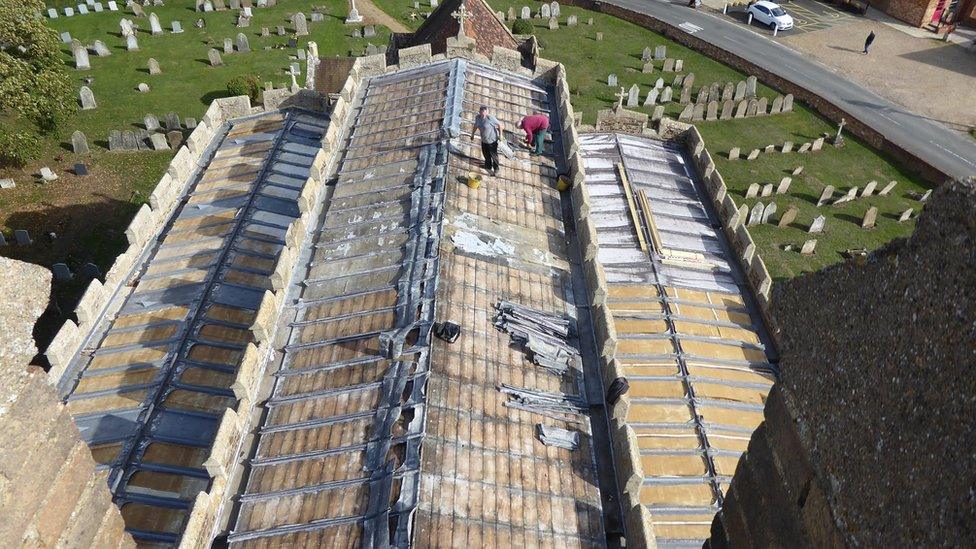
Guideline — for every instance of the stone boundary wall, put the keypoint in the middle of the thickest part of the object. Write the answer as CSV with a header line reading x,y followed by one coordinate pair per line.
x,y
819,103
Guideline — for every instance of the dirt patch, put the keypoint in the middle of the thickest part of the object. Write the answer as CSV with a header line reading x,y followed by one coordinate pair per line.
x,y
373,15
924,75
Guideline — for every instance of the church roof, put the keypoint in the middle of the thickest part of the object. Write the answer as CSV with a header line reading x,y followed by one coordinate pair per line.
x,y
482,26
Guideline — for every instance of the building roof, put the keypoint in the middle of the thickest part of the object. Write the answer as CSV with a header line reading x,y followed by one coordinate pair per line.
x,y
365,444
691,342
482,26
149,391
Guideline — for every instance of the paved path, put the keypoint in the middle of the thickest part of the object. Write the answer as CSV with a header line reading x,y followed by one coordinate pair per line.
x,y
953,153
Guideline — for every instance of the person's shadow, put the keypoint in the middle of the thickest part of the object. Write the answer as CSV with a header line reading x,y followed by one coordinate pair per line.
x,y
846,49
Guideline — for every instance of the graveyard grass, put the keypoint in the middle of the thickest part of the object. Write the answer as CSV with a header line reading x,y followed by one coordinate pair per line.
x,y
588,62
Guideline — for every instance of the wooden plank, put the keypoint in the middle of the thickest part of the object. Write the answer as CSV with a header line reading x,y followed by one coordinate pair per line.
x,y
649,221
632,207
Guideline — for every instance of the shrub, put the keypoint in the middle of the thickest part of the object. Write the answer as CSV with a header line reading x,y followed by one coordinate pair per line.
x,y
18,148
247,84
522,26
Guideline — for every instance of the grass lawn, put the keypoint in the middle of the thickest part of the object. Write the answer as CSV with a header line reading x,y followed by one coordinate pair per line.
x,y
588,62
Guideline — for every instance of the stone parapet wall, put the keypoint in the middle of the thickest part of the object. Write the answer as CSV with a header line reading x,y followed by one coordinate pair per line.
x,y
863,442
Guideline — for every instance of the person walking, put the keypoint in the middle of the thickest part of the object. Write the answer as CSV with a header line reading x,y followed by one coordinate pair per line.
x,y
868,42
536,127
491,129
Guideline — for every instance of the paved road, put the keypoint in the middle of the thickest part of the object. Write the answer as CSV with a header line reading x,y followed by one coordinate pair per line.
x,y
953,153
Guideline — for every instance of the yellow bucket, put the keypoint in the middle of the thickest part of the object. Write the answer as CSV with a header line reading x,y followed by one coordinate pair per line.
x,y
474,180
562,183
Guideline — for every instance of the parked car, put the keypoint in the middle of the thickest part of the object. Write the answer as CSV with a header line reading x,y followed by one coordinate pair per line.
x,y
771,15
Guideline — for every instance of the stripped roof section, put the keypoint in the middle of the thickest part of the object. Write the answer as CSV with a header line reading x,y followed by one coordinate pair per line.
x,y
338,455
690,341
149,396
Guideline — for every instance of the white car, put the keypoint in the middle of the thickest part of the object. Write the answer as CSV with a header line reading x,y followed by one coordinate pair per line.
x,y
771,15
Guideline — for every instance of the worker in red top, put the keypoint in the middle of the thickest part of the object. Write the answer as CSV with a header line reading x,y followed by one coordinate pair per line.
x,y
535,127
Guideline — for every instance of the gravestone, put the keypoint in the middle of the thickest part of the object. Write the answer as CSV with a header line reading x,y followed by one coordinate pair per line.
x,y
115,140
818,224
660,52
554,9
219,5
767,190
753,154
687,112
69,12
647,54
22,237
612,80
66,37
129,141
87,98
151,122
728,91
512,16
81,59
712,111
751,86
762,106
685,97
755,216
788,103
172,121
668,65
869,189
7,183
787,147
788,216
808,247
137,9
817,144
741,108
190,123
126,27
572,21
153,66
61,272
826,195
589,21
47,174
753,190
657,113
678,65
784,185
228,46
317,17
214,57
280,30
777,104
699,112
727,108
177,27
797,171
101,49
769,149
740,91
301,55
651,97
242,43
702,95
553,23
90,270
265,31
804,148
851,195
887,188
526,13
659,83
112,6
154,27
925,196
752,108
159,142
667,94
734,153
545,12
768,212
633,96
80,169
3,240
357,33
688,80
648,67
79,143
82,9
870,217
143,87
98,7
131,43
301,25
235,4
52,13
905,215
174,139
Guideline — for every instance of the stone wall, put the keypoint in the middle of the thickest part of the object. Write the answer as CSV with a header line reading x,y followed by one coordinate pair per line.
x,y
868,439
914,12
50,493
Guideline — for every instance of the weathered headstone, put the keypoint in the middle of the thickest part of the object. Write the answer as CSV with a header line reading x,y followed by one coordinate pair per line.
x,y
734,153
52,13
788,103
728,107
47,174
668,65
159,142
817,144
545,12
101,49
753,154
741,108
767,190
657,113
699,112
98,7
768,212
82,9
131,43
651,97
685,97
818,224
79,143
808,247
280,30
777,104
667,94
22,237
612,80
151,122
753,190
887,188
787,147
740,91
554,8
804,148
61,272
112,6
797,171
228,46
242,43
755,216
214,57
788,216
647,54
678,65
153,66
174,138
752,108
870,217
869,189
728,91
129,141
925,196
115,140
751,86
190,123
769,149
572,21
905,215
300,24
784,185
512,16
81,58
761,106
69,12
154,26
172,121
66,37
633,96
526,13
688,80
143,87
687,113
712,111
826,195
660,52
7,183
553,23
851,195
702,96
87,98
648,67
137,9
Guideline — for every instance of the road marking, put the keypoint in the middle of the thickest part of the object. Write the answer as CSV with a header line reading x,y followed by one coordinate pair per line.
x,y
890,119
689,28
964,159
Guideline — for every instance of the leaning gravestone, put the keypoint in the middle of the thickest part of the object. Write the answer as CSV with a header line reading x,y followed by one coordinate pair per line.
x,y
301,25
214,57
159,142
768,212
79,143
784,185
851,195
22,237
87,98
153,66
668,65
172,121
804,148
787,147
818,224
797,170
905,215
81,58
174,139
151,122
154,27
887,188
808,247
687,113
826,195
131,43
777,104
242,44
47,174
870,217
753,154
633,96
755,216
740,110
767,189
61,272
101,49
651,97
753,190
667,94
817,144
734,153
869,189
788,216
